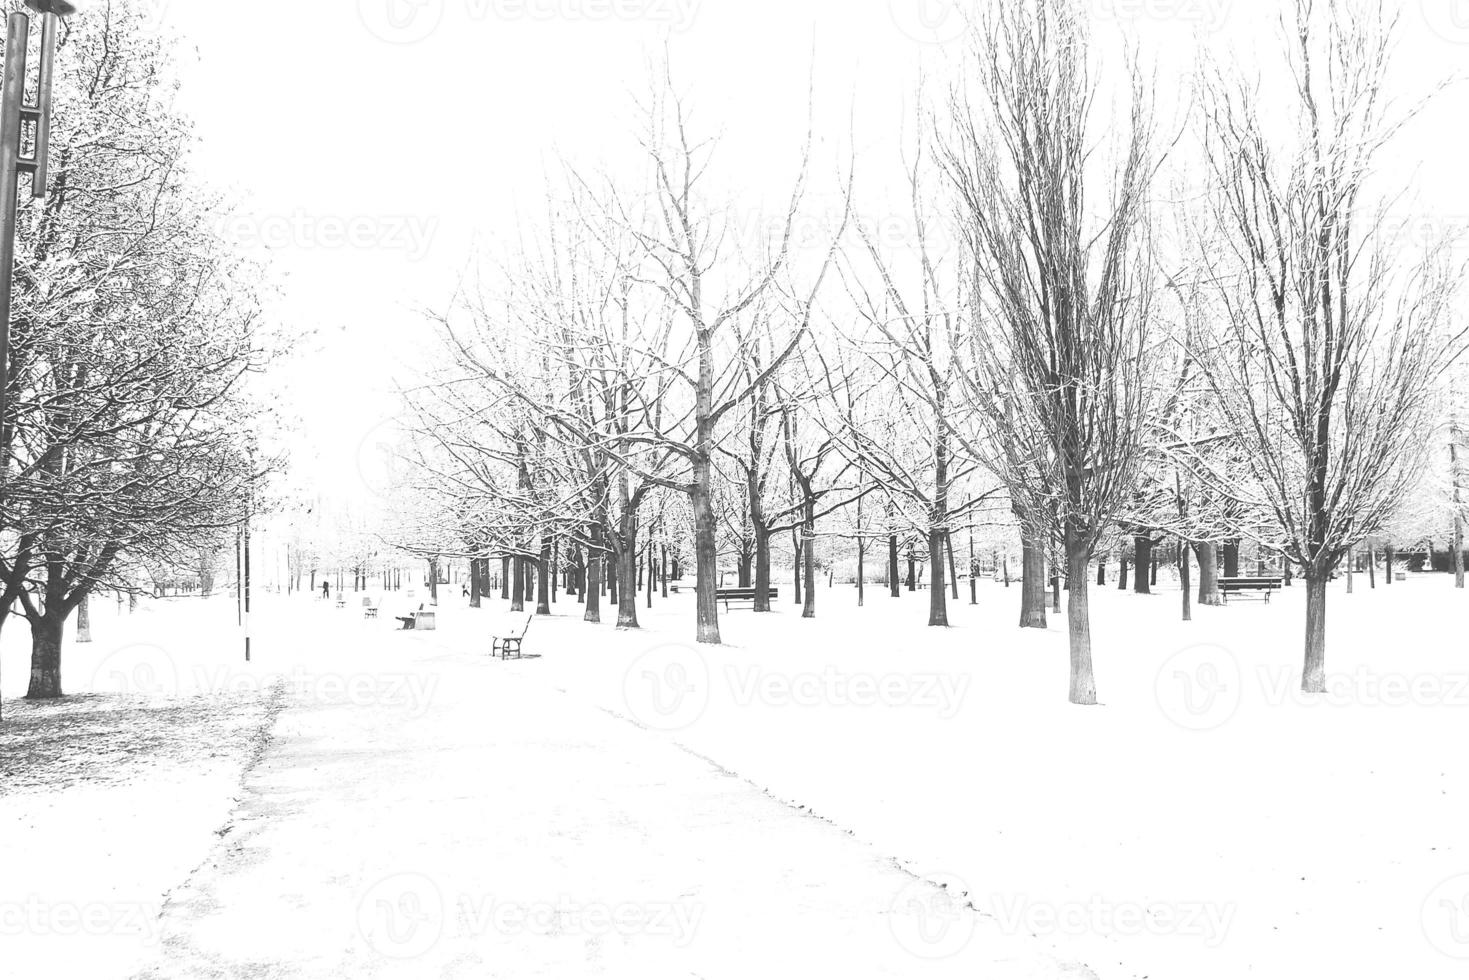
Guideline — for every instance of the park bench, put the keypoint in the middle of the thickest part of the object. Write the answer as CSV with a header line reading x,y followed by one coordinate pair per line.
x,y
420,619
727,596
341,601
369,608
1239,584
504,646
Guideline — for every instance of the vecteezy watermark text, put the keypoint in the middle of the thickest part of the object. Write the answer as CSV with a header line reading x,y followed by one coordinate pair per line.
x,y
831,687
412,21
406,915
410,234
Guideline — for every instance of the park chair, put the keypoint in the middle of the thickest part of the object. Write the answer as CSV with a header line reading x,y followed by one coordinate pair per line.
x,y
504,646
369,608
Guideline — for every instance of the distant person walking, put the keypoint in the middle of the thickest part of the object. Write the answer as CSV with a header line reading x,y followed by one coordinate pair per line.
x,y
326,589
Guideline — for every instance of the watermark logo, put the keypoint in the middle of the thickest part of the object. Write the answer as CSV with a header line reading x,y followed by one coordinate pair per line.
x,y
676,922
1365,688
34,917
1207,921
401,21
929,21
667,687
406,915
137,669
412,21
941,693
1200,687
382,466
402,916
930,921
1207,15
410,693
1449,19
1446,917
411,235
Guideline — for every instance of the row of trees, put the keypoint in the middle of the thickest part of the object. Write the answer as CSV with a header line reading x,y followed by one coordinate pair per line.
x,y
125,442
1052,347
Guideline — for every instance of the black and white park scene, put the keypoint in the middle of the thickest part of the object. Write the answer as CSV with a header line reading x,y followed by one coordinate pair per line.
x,y
708,489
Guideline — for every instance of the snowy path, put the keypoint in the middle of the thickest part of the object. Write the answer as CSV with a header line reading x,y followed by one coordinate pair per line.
x,y
455,820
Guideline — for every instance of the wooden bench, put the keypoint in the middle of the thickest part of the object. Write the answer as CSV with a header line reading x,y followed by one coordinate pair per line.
x,y
504,646
1237,584
341,601
420,619
727,596
369,608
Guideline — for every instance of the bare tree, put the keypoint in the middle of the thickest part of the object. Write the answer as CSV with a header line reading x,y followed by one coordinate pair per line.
x,y
1326,352
1060,309
911,348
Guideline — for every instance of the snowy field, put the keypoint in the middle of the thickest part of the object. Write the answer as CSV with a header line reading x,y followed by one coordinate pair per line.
x,y
1204,821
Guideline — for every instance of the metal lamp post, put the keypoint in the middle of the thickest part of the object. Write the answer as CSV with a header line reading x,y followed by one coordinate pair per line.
x,y
16,115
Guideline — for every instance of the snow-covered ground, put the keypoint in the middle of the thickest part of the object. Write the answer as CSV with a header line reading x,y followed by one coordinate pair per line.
x,y
1204,821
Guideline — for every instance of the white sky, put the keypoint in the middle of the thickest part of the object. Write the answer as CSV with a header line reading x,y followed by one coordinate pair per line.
x,y
417,127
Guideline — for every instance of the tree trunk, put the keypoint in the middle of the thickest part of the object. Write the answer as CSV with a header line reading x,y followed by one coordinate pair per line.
x,y
517,587
1078,628
706,552
953,573
433,581
1458,550
912,580
1389,555
796,565
476,582
1351,562
1056,582
1183,578
938,612
1208,575
543,578
762,570
747,556
1231,558
1454,476
1101,571
84,620
46,635
593,613
627,574
1032,584
505,577
861,549
893,588
808,549
613,568
1142,550
1313,678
